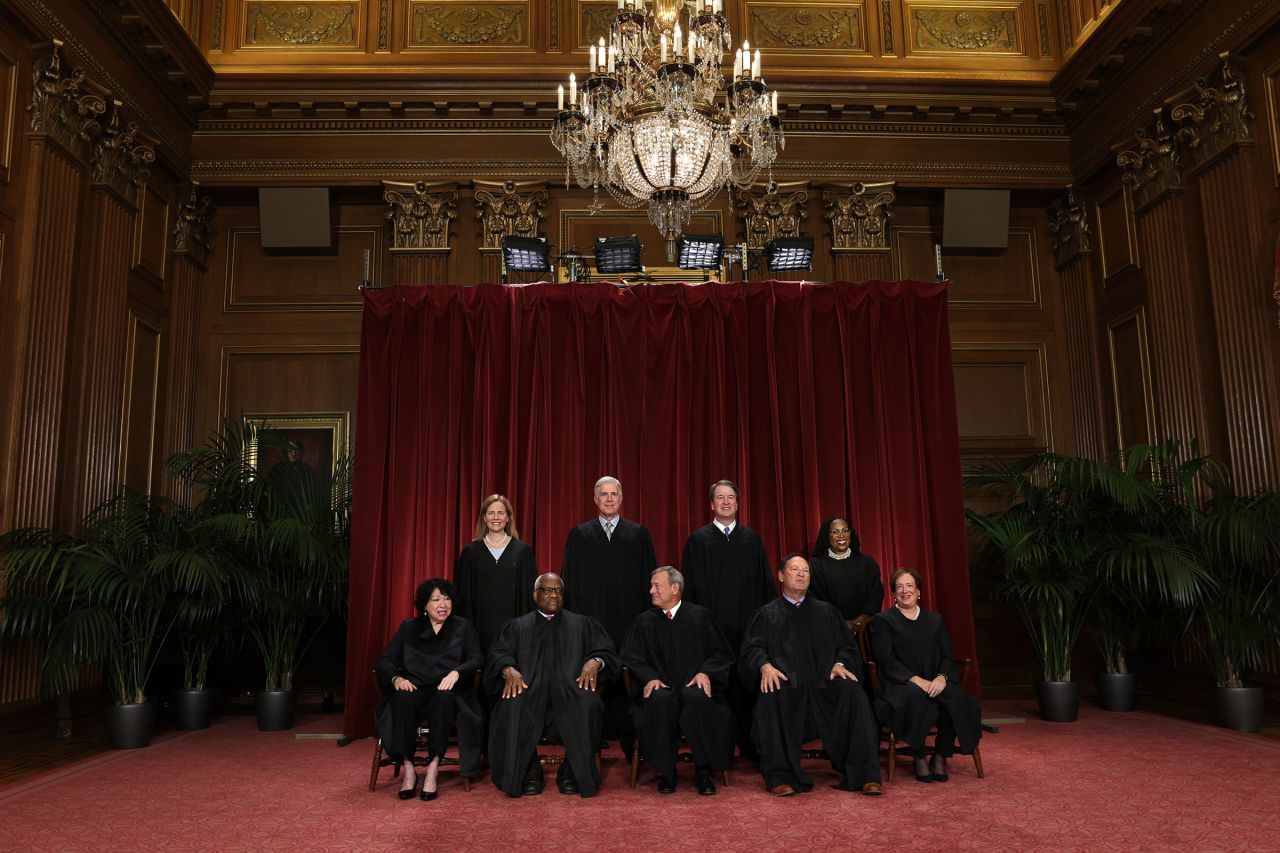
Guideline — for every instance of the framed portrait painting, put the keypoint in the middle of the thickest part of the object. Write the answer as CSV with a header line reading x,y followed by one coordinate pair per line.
x,y
314,439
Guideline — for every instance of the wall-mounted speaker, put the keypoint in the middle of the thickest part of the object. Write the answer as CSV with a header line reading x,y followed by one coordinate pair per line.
x,y
976,219
294,217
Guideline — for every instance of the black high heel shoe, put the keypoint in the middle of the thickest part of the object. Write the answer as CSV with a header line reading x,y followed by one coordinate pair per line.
x,y
934,763
428,796
407,793
921,767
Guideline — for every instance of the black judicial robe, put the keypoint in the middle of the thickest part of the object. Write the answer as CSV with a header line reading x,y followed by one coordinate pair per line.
x,y
905,647
853,584
608,578
492,591
805,641
731,578
674,651
423,656
549,653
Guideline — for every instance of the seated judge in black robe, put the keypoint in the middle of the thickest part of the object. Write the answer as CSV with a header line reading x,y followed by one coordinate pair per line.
x,y
427,672
542,674
803,658
679,668
842,574
918,679
495,572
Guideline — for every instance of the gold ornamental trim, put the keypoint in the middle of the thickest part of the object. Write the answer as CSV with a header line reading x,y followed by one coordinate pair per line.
x,y
966,30
772,210
420,214
859,216
814,27
300,23
1218,118
441,24
509,209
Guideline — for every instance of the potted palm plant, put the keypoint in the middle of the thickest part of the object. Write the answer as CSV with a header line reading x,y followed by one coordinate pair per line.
x,y
1042,554
288,539
1239,541
1144,569
103,598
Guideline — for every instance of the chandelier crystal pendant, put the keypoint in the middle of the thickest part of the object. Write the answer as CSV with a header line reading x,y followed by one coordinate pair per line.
x,y
654,121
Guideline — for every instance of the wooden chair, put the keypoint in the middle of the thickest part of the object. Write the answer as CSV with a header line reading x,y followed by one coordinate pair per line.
x,y
681,757
381,759
887,737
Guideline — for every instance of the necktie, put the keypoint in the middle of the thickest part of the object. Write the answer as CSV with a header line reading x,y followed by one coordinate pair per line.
x,y
668,612
608,530
727,531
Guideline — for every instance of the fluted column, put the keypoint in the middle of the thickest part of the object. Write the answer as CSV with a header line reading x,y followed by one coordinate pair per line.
x,y
420,214
771,211
1216,135
64,121
120,167
858,222
192,245
508,209
1185,361
1072,240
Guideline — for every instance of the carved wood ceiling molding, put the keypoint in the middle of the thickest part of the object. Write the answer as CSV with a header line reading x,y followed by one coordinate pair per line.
x,y
352,172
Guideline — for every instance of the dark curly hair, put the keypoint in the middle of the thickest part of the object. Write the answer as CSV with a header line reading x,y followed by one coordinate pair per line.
x,y
423,595
823,542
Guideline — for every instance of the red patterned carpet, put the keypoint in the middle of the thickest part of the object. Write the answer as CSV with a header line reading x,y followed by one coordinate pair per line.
x,y
1125,782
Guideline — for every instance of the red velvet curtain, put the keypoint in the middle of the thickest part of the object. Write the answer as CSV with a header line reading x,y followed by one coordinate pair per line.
x,y
816,399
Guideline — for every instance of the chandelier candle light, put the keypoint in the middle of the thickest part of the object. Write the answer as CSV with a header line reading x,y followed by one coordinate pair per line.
x,y
655,122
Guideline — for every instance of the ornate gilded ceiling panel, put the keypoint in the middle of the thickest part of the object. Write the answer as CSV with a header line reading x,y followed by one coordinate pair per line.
x,y
808,27
593,21
970,29
298,24
445,24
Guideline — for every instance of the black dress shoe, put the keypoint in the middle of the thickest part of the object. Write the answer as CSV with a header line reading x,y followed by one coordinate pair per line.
x,y
703,781
667,786
533,780
407,793
428,796
923,773
567,785
939,762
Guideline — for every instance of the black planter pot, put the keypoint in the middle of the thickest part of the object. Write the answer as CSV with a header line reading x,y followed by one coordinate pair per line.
x,y
275,710
1059,701
1240,708
193,709
130,726
1118,691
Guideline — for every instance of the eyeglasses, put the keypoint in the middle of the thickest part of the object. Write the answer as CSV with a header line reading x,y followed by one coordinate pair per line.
x,y
549,590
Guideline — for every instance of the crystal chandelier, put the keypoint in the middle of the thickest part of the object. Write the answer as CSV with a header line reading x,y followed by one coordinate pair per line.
x,y
654,121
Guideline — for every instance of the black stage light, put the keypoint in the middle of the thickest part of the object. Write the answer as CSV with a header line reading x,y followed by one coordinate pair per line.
x,y
618,255
701,251
526,254
789,253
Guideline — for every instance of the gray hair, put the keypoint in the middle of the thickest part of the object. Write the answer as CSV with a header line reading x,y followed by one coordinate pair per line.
x,y
606,479
673,575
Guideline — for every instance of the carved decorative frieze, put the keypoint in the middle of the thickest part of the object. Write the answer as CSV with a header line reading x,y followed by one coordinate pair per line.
x,y
193,226
969,30
59,108
1217,118
301,24
437,24
119,160
886,24
812,27
509,209
860,217
1154,166
775,210
420,214
1042,23
593,21
215,31
1070,234
384,24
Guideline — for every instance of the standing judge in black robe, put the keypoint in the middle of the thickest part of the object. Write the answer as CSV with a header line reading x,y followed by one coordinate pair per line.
x,y
679,665
918,679
542,673
801,654
427,672
843,575
606,566
495,572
